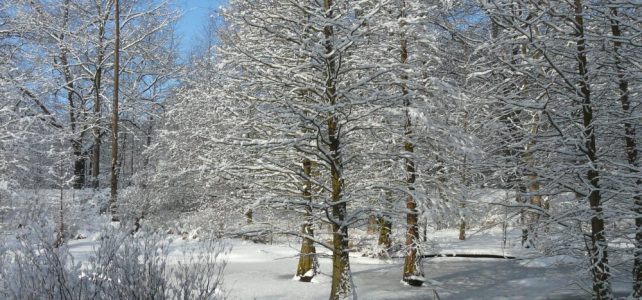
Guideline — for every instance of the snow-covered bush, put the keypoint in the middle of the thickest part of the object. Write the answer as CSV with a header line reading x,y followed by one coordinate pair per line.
x,y
199,274
33,268
122,266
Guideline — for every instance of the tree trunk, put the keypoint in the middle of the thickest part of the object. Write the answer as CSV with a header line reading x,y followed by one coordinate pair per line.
x,y
76,142
113,208
79,166
385,240
413,270
132,159
519,198
145,206
148,140
60,239
630,150
598,247
385,230
373,224
98,77
464,180
532,184
95,159
249,216
532,180
307,267
462,230
341,274
95,156
122,154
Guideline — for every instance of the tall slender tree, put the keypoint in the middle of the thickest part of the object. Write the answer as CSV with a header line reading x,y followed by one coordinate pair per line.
x,y
630,136
113,206
413,269
103,11
598,247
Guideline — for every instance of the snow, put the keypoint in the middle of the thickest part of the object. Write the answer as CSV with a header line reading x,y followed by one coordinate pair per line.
x,y
544,262
257,271
263,271
478,242
266,271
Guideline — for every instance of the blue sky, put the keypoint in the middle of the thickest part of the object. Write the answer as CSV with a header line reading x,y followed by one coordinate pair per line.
x,y
194,16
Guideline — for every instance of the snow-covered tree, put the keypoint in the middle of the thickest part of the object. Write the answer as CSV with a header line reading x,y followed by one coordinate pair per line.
x,y
301,67
64,57
560,80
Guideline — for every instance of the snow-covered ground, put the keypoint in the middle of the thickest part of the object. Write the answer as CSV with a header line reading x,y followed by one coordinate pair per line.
x,y
266,271
263,271
257,271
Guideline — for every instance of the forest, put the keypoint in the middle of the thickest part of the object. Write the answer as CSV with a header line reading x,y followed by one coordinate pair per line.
x,y
386,149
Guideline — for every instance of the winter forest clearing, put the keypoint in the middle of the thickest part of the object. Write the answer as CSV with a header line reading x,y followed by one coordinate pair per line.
x,y
314,149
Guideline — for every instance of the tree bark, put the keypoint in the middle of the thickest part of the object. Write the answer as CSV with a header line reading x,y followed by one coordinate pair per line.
x,y
79,166
630,149
114,118
60,239
413,270
341,274
532,179
464,181
373,224
532,184
95,159
249,216
76,143
598,246
385,229
307,267
95,156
